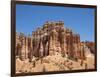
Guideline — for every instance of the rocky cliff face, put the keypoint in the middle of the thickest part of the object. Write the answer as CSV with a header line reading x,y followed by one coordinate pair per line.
x,y
47,40
91,46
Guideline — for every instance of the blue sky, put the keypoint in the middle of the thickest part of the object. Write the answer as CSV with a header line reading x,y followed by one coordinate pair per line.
x,y
80,20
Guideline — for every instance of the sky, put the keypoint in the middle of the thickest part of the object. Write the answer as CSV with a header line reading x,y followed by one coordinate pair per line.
x,y
80,20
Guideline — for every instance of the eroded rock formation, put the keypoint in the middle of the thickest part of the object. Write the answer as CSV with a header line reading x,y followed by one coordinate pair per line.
x,y
47,40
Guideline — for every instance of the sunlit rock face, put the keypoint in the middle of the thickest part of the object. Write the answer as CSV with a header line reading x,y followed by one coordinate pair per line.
x,y
52,37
